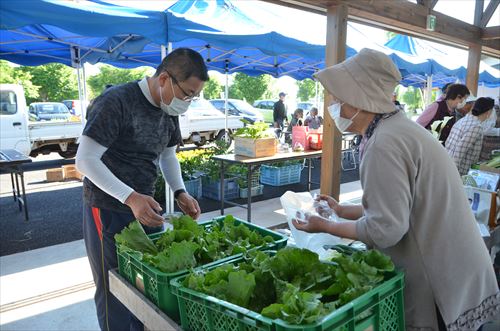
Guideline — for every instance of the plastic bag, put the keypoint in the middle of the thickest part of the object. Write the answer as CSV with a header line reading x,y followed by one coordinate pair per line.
x,y
304,203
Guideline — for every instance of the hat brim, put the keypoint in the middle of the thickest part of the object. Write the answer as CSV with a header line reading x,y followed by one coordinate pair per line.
x,y
339,82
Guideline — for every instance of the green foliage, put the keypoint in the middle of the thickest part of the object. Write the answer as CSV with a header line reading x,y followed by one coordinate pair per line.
x,y
389,35
55,81
212,89
14,75
134,238
189,245
114,76
307,89
249,88
412,98
294,285
257,130
211,168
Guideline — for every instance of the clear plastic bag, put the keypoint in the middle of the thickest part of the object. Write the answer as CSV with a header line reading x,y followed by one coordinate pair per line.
x,y
302,205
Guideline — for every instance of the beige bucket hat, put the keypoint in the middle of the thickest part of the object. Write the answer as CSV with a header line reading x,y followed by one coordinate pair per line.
x,y
365,81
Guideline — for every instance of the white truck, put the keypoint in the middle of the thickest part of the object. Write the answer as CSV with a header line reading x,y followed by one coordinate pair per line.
x,y
201,124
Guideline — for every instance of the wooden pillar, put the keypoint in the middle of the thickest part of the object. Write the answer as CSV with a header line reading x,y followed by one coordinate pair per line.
x,y
336,34
473,68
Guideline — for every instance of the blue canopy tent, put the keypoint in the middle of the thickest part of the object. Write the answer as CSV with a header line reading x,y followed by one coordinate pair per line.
x,y
447,64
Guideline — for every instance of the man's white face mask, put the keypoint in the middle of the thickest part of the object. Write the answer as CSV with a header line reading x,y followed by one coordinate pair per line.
x,y
342,123
176,106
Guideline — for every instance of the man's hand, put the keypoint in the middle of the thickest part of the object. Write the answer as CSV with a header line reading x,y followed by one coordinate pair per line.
x,y
189,205
145,209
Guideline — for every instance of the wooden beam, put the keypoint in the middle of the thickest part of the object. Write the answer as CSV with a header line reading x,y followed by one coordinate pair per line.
x,y
478,12
488,13
400,15
473,68
433,4
492,32
336,35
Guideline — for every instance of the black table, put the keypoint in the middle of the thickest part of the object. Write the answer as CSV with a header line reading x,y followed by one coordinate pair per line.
x,y
11,161
254,163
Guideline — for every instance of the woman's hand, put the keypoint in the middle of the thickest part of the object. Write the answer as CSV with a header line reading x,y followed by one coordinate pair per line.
x,y
312,224
332,203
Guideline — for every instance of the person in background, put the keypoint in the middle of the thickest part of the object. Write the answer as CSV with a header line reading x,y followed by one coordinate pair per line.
x,y
413,207
444,89
313,121
279,112
297,119
460,112
456,97
466,137
131,129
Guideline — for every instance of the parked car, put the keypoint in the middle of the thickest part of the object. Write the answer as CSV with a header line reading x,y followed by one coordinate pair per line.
x,y
49,111
33,137
238,108
203,123
306,106
266,109
264,104
75,106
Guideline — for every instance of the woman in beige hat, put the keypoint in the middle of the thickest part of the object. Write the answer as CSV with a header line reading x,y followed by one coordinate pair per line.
x,y
413,207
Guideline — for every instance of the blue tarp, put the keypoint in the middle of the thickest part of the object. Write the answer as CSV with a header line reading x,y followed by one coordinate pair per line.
x,y
96,31
446,64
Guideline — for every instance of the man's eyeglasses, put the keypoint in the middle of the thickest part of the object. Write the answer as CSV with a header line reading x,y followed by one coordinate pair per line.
x,y
187,97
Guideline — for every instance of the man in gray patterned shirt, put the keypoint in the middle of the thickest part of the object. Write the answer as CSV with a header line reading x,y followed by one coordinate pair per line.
x,y
131,129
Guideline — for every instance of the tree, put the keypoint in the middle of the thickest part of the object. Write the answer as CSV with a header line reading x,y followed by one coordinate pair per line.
x,y
389,35
307,89
412,98
249,88
114,76
56,82
13,75
212,89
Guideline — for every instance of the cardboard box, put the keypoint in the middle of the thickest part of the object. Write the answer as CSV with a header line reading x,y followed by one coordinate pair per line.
x,y
484,167
54,175
255,147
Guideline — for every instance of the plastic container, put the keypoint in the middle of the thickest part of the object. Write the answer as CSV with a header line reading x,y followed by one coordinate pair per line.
x,y
193,187
211,189
255,190
379,309
155,284
279,176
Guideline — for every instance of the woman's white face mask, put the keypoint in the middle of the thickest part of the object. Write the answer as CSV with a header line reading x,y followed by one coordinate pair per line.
x,y
342,123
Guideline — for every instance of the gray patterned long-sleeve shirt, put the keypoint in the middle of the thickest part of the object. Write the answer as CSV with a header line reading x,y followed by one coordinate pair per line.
x,y
464,143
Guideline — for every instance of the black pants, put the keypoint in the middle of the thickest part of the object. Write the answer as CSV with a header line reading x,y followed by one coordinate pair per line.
x,y
99,229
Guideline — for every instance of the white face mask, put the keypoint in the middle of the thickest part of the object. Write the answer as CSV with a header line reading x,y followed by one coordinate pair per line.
x,y
490,121
462,104
342,123
176,106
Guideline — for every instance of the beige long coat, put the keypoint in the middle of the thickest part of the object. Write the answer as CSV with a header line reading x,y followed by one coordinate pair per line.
x,y
416,211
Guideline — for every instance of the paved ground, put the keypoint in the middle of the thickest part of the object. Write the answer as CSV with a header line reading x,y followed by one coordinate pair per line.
x,y
55,209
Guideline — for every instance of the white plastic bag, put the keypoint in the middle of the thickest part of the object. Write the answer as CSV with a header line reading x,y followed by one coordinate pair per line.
x,y
303,202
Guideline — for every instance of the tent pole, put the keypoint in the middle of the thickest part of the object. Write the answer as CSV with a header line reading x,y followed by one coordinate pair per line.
x,y
428,91
316,97
78,80
226,92
169,195
83,105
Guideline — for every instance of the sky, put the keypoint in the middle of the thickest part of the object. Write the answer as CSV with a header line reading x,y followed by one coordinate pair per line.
x,y
312,27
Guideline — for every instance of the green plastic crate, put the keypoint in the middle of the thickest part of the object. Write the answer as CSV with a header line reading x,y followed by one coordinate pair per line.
x,y
381,309
155,284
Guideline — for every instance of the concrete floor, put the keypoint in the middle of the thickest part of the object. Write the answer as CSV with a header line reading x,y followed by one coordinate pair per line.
x,y
51,288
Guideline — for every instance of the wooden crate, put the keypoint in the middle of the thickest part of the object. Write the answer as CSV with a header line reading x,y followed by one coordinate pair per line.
x,y
254,147
54,175
70,172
